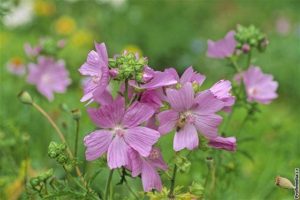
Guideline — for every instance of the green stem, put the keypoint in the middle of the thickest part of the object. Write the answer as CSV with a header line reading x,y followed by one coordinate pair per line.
x,y
131,191
228,120
76,137
172,187
108,185
126,93
61,136
211,178
249,59
235,65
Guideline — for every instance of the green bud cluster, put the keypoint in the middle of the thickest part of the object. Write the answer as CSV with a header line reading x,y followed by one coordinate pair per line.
x,y
128,66
250,36
196,189
182,163
37,181
58,152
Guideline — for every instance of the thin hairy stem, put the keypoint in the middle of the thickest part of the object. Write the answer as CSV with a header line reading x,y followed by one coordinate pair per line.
x,y
108,185
60,135
76,137
172,187
126,93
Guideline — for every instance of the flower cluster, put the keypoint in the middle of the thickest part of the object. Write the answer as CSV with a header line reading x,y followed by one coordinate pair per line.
x,y
148,105
47,73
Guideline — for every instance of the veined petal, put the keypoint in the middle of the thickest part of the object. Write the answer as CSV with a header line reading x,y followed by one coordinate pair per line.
x,y
136,114
135,162
108,115
92,66
141,139
150,178
182,99
167,120
228,143
207,103
97,143
186,137
102,52
208,124
117,153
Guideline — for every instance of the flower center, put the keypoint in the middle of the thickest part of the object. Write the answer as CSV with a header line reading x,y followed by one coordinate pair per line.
x,y
96,79
154,154
186,117
252,91
119,131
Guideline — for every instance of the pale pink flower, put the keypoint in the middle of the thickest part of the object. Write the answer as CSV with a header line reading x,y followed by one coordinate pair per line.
x,y
189,114
121,130
96,68
260,87
189,75
16,66
32,51
147,167
228,143
49,76
222,48
221,90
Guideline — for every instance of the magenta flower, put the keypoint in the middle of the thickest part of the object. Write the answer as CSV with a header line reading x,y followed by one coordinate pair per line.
x,y
16,66
189,75
189,114
222,48
260,87
96,67
147,167
32,51
157,79
49,76
121,131
228,143
221,90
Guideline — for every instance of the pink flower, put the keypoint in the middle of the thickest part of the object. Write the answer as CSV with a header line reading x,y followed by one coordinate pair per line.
x,y
189,75
121,131
32,51
96,67
16,66
49,76
157,79
222,48
221,90
189,114
260,87
228,143
147,167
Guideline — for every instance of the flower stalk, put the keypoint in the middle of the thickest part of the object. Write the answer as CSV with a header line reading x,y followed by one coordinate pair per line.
x,y
108,187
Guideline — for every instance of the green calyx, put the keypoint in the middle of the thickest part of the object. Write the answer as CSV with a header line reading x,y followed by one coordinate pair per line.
x,y
251,36
129,66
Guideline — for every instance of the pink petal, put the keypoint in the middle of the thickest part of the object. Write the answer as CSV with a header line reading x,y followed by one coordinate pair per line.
x,y
207,103
102,52
208,124
150,178
155,159
97,143
222,48
117,153
160,79
105,98
108,115
186,137
182,99
228,143
92,66
136,114
135,163
167,120
141,139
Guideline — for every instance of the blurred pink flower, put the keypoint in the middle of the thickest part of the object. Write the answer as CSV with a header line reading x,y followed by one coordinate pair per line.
x,y
283,26
260,87
221,90
222,48
121,131
147,167
32,51
228,143
16,66
189,114
49,76
96,68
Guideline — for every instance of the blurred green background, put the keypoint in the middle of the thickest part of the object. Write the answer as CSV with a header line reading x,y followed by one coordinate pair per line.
x,y
171,34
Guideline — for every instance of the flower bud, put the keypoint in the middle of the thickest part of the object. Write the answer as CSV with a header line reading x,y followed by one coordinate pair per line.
x,y
25,97
246,48
34,182
76,114
196,189
284,183
62,158
113,73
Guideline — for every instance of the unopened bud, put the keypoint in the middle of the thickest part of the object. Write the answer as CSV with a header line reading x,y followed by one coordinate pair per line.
x,y
76,113
246,48
284,183
25,97
113,73
34,182
196,189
